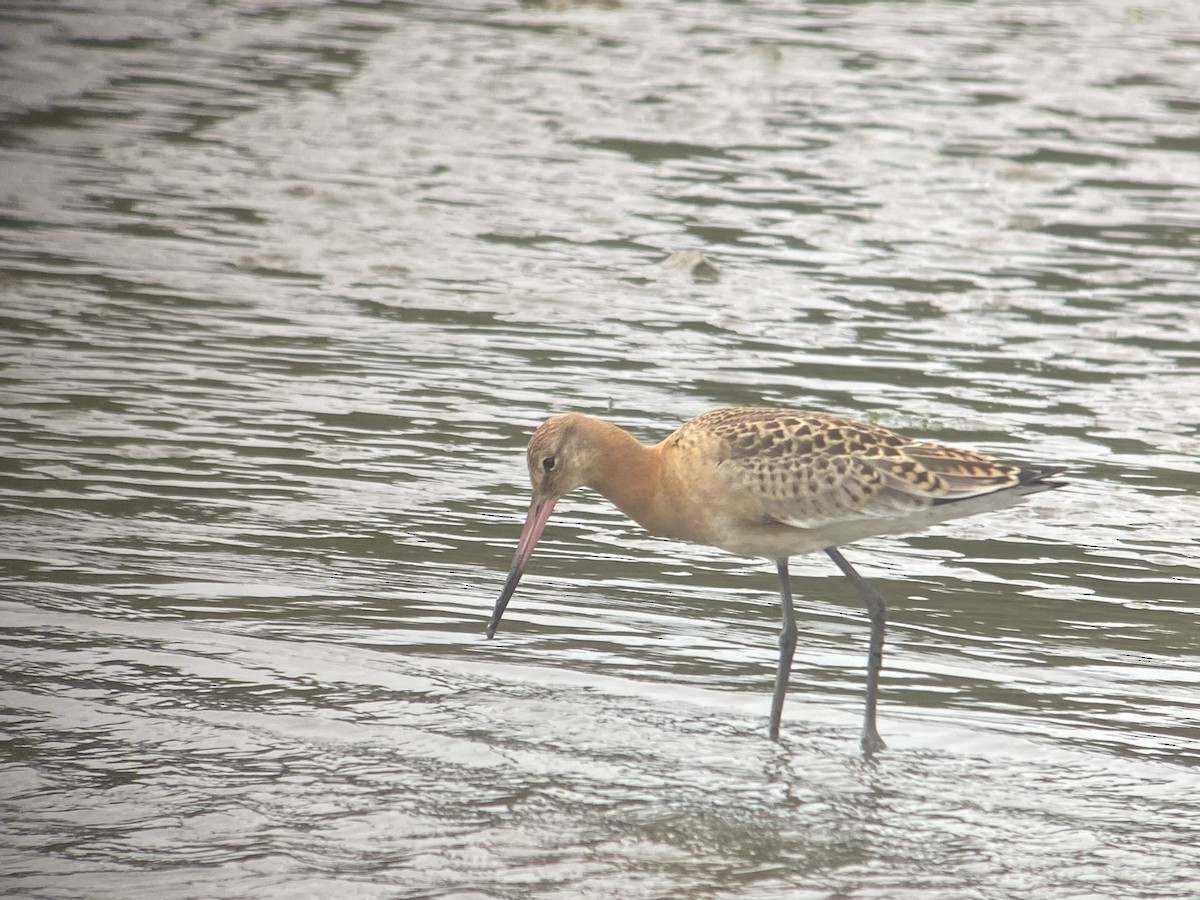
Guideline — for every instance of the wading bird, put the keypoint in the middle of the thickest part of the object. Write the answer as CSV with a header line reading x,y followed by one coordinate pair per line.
x,y
770,483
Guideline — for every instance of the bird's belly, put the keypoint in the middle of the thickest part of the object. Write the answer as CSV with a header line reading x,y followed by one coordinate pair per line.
x,y
769,540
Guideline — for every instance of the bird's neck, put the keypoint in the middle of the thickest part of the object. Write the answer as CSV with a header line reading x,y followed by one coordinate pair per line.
x,y
626,472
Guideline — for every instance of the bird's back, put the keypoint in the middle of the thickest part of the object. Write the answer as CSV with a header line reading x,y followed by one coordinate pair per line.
x,y
784,478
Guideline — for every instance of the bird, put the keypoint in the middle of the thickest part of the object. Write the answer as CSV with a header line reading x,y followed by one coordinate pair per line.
x,y
766,482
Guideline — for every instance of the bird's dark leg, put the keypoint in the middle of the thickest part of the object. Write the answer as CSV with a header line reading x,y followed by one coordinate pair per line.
x,y
787,647
877,610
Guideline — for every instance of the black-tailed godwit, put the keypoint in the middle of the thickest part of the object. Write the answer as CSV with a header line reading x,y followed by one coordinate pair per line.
x,y
770,483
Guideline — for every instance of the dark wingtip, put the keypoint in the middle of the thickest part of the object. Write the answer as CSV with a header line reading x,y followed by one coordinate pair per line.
x,y
1038,475
1030,480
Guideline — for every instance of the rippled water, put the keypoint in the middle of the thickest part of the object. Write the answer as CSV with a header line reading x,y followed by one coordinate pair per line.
x,y
286,286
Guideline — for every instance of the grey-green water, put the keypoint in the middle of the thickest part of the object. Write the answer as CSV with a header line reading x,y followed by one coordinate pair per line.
x,y
284,288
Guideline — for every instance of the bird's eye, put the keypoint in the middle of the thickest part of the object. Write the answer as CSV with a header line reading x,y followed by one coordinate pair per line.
x,y
548,463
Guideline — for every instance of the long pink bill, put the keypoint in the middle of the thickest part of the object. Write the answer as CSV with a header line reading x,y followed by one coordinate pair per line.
x,y
535,522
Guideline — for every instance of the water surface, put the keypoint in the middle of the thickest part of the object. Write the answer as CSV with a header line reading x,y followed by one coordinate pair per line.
x,y
285,289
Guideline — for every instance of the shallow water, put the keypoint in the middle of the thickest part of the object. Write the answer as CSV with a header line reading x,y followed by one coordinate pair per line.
x,y
285,289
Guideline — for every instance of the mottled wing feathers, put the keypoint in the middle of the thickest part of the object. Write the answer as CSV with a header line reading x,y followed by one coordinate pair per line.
x,y
810,469
959,473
